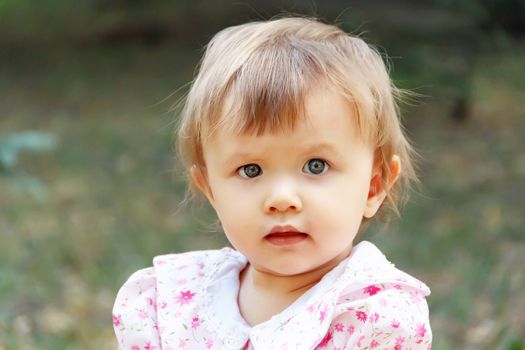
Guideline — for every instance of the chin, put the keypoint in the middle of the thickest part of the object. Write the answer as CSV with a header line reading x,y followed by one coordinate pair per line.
x,y
290,269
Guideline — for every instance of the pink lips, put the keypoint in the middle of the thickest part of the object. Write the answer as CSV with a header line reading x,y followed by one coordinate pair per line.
x,y
285,235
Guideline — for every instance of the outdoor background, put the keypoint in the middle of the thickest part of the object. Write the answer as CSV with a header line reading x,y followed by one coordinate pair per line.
x,y
89,190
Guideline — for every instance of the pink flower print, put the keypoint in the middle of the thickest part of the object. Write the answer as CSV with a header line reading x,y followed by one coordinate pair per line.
x,y
361,316
397,286
415,297
398,347
360,340
195,322
209,343
351,329
325,340
400,340
371,290
201,265
148,346
421,330
143,314
395,323
339,327
185,297
322,315
152,303
374,344
117,320
350,309
182,343
310,309
135,347
374,317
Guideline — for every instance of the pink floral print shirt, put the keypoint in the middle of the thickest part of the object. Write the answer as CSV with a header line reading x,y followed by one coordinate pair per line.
x,y
189,301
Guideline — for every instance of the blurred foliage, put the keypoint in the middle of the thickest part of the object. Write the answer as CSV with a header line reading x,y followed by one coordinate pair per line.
x,y
153,21
11,145
101,76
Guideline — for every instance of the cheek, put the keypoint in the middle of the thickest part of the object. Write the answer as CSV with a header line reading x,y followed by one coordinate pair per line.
x,y
234,207
342,202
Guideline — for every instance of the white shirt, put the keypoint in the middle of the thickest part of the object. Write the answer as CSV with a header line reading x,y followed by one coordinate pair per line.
x,y
189,301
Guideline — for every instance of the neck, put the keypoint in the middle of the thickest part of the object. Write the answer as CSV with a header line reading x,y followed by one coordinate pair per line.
x,y
264,294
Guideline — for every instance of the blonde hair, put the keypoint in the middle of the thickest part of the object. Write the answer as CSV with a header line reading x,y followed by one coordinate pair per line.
x,y
254,78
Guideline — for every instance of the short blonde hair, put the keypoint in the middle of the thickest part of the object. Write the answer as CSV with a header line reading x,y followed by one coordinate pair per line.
x,y
254,78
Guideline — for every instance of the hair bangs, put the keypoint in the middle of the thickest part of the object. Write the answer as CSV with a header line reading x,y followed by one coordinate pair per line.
x,y
268,92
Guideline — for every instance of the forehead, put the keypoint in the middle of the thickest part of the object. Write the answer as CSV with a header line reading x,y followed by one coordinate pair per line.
x,y
327,118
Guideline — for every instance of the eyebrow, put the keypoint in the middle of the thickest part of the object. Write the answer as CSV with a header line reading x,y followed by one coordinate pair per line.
x,y
323,147
309,148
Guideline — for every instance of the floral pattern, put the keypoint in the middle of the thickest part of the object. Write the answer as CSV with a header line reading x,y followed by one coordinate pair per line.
x,y
188,301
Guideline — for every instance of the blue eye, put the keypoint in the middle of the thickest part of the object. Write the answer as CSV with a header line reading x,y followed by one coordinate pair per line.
x,y
249,171
315,166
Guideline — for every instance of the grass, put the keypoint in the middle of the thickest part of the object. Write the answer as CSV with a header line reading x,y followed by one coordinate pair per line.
x,y
111,199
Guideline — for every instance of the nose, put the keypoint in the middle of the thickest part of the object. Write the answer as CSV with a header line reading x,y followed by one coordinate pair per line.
x,y
282,198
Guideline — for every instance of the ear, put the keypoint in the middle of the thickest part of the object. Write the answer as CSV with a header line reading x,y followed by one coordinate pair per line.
x,y
199,176
377,191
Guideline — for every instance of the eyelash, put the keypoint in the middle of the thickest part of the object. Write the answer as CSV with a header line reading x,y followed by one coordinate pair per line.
x,y
241,170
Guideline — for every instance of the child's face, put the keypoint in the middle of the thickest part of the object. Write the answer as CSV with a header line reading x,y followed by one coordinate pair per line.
x,y
315,178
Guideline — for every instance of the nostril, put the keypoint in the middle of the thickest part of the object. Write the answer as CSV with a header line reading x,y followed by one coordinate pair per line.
x,y
275,209
282,206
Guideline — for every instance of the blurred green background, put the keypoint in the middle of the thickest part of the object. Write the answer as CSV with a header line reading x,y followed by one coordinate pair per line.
x,y
90,192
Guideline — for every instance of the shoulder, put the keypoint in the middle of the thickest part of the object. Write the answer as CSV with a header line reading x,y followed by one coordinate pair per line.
x,y
368,272
392,319
382,306
148,290
134,314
